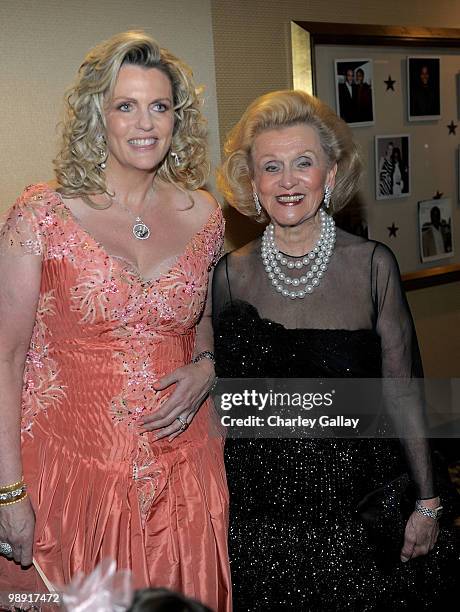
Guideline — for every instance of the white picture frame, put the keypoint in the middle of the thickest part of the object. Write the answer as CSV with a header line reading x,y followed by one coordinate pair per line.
x,y
354,91
423,88
435,223
392,166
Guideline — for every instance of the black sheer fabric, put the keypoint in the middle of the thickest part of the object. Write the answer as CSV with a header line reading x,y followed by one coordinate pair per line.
x,y
296,536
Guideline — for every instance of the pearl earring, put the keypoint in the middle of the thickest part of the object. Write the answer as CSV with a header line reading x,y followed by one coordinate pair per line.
x,y
176,158
102,153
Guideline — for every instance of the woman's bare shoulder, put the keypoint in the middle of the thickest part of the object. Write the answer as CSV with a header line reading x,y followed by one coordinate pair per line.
x,y
205,200
198,205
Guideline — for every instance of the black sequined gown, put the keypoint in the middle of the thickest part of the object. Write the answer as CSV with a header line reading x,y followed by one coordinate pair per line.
x,y
296,540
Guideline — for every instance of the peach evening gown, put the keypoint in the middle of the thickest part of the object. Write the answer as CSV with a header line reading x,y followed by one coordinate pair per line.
x,y
102,336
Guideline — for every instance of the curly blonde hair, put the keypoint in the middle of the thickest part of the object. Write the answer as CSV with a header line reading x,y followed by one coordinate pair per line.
x,y
77,165
280,109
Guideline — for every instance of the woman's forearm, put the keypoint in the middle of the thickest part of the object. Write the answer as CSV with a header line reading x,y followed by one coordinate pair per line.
x,y
11,372
18,308
204,340
204,335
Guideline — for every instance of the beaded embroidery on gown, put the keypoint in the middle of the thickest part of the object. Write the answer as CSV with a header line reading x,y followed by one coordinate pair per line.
x,y
296,540
103,335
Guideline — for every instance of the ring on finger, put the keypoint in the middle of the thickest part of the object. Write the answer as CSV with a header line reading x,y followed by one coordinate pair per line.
x,y
183,422
5,548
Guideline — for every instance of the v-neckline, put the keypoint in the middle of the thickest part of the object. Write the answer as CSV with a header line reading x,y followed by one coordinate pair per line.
x,y
127,262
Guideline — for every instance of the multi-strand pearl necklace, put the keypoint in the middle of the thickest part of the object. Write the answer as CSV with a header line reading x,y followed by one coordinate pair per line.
x,y
317,259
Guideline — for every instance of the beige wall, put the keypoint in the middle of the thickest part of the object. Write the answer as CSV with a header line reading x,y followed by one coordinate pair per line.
x,y
252,52
437,311
42,44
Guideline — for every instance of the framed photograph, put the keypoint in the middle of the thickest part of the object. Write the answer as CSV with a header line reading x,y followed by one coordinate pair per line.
x,y
354,95
423,90
435,229
392,166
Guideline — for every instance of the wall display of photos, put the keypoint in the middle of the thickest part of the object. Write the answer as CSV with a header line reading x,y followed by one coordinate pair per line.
x,y
407,125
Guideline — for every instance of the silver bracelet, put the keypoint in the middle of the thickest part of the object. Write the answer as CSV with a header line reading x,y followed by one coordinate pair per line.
x,y
204,355
433,513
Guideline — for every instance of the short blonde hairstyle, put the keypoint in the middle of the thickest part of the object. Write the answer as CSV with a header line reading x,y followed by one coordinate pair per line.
x,y
83,134
277,110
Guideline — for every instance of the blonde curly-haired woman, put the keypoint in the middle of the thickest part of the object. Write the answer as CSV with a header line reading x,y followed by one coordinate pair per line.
x,y
106,342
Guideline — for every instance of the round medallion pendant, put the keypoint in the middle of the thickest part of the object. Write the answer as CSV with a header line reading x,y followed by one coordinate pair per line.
x,y
141,231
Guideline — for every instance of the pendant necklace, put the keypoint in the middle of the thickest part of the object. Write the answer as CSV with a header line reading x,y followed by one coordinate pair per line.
x,y
141,230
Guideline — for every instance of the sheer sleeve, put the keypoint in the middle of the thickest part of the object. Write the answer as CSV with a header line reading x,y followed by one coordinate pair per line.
x,y
226,323
221,296
401,368
23,227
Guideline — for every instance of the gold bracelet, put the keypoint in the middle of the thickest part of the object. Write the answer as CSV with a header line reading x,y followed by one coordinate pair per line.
x,y
14,501
12,487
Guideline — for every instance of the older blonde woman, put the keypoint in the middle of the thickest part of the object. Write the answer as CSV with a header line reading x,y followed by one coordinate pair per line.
x,y
106,343
307,300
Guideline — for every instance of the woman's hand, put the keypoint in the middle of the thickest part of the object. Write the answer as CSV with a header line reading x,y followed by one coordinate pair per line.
x,y
193,382
17,524
420,534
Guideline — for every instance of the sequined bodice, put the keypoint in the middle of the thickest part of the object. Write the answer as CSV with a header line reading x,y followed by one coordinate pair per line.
x,y
251,347
91,299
